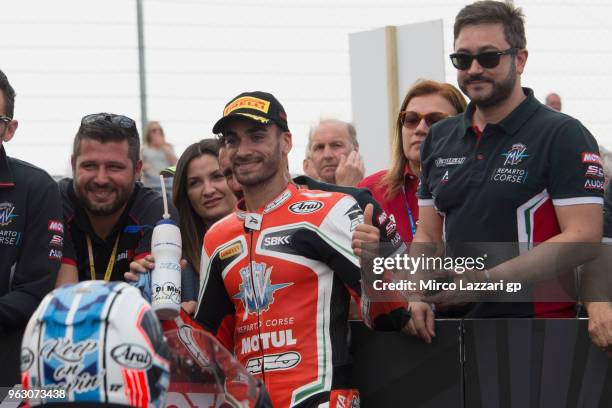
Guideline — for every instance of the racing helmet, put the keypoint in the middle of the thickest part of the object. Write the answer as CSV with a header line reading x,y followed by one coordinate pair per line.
x,y
95,343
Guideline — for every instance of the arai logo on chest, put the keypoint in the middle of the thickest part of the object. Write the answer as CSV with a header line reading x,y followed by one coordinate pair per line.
x,y
305,207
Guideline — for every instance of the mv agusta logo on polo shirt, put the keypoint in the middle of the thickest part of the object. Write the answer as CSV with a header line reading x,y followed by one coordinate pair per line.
x,y
257,290
7,213
515,155
510,173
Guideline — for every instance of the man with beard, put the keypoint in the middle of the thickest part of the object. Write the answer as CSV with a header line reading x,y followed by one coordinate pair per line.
x,y
109,215
508,170
31,235
280,270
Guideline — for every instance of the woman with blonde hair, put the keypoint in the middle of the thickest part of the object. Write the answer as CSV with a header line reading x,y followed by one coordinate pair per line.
x,y
426,103
157,154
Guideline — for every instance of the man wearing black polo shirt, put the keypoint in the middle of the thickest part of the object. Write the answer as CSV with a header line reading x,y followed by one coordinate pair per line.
x,y
31,235
109,216
509,169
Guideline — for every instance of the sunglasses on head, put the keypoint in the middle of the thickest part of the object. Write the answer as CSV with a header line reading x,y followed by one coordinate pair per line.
x,y
411,120
487,59
120,120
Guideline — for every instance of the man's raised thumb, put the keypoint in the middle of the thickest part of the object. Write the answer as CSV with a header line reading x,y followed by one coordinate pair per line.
x,y
367,214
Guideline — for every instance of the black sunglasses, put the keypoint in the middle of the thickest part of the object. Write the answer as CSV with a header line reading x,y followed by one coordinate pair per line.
x,y
487,59
120,120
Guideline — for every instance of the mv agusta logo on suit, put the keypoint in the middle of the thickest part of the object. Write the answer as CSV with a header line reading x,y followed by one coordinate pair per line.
x,y
257,294
287,292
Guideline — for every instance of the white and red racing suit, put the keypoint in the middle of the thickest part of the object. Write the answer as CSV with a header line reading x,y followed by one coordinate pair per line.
x,y
283,277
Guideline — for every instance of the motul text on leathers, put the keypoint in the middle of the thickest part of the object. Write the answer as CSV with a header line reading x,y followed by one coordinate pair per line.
x,y
283,277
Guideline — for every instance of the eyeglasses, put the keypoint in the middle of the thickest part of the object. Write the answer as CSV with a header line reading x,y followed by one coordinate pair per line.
x,y
411,120
487,59
120,120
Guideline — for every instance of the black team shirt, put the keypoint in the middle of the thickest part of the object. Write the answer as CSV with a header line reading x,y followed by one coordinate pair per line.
x,y
135,226
31,240
503,186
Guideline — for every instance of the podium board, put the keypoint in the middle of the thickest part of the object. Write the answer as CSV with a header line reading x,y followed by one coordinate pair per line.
x,y
495,363
534,363
395,370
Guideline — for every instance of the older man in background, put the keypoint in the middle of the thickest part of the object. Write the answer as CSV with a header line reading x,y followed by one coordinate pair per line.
x,y
333,153
553,100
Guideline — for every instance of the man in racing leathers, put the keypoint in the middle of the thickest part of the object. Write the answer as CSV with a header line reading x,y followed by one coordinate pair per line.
x,y
281,269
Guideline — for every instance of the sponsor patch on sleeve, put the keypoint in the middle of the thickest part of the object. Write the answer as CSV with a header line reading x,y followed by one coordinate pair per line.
x,y
594,171
56,226
382,217
594,184
55,254
391,228
590,157
56,241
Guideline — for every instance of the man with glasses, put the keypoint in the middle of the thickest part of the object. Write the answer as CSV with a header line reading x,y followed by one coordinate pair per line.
x,y
31,237
527,174
109,215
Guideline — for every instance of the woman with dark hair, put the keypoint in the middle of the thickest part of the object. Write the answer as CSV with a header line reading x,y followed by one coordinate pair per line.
x,y
426,103
202,197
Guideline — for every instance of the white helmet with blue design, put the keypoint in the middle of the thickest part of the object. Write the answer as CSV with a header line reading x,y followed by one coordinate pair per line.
x,y
95,343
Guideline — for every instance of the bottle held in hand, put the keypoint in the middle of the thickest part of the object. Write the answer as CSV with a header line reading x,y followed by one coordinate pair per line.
x,y
166,248
166,276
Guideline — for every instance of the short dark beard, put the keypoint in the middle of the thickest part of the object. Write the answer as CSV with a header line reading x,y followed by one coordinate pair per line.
x,y
501,90
6,125
102,211
268,172
270,168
